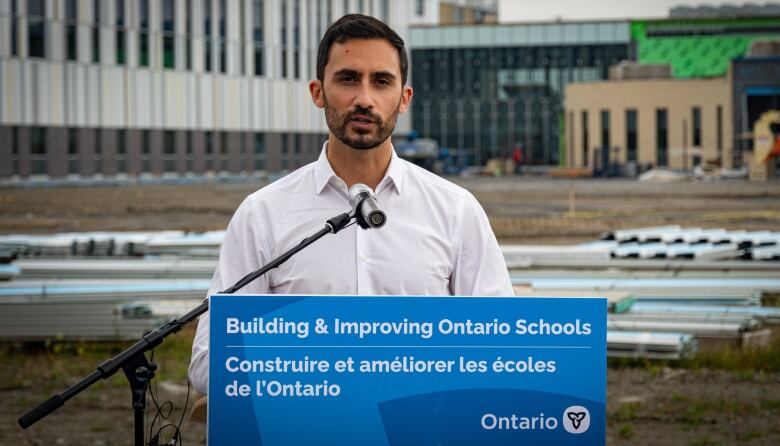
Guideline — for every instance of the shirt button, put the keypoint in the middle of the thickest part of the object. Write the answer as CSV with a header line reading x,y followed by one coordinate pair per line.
x,y
364,258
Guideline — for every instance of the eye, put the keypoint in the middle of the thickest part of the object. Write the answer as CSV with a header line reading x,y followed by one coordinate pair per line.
x,y
347,78
383,82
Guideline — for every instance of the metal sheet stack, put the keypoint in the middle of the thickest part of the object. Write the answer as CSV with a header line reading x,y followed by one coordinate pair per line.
x,y
631,344
670,288
92,310
689,286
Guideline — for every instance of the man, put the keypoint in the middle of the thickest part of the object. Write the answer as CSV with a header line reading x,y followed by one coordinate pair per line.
x,y
437,239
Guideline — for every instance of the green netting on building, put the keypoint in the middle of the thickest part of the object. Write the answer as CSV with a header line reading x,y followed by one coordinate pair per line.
x,y
699,48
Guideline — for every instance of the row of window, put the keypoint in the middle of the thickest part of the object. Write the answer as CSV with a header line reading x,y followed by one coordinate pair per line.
x,y
215,155
661,132
446,72
215,36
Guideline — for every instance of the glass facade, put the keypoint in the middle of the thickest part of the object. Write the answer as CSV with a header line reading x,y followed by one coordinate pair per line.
x,y
516,91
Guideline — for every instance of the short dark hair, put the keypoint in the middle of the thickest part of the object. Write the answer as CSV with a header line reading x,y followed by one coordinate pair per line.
x,y
359,26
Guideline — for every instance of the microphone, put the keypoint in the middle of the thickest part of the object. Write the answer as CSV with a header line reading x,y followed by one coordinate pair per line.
x,y
365,207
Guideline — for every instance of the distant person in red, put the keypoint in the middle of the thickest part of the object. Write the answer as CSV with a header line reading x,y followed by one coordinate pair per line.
x,y
775,149
517,157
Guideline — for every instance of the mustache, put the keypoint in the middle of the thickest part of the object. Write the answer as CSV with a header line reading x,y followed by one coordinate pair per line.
x,y
364,112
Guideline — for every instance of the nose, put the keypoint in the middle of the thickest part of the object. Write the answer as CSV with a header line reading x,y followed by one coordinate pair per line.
x,y
364,98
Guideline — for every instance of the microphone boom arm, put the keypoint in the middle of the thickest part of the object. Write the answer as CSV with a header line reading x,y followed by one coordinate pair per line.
x,y
133,361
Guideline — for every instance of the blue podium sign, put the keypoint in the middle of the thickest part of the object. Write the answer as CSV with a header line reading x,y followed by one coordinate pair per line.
x,y
405,370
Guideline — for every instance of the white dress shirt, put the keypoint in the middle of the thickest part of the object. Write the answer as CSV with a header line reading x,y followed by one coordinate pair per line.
x,y
437,241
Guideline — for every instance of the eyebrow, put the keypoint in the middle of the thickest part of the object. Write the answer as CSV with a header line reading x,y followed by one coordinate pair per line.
x,y
384,74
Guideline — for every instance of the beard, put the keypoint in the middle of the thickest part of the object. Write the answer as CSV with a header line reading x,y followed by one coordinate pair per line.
x,y
360,139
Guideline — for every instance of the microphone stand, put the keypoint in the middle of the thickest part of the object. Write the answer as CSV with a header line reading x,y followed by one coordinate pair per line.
x,y
133,362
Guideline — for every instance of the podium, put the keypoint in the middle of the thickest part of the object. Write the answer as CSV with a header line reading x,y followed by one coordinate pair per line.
x,y
406,370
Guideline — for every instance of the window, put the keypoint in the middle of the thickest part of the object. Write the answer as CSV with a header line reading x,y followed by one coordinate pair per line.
x,y
662,137
98,151
146,151
120,32
188,35
71,30
283,30
223,36
570,152
296,39
168,36
209,151
242,38
36,42
223,146
169,151
719,135
143,34
96,31
259,152
285,150
14,29
458,14
14,151
73,152
696,122
121,151
257,33
585,138
384,8
38,151
631,135
419,7
605,142
188,150
207,34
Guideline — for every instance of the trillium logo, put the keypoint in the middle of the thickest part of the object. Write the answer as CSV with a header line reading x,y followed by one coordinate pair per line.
x,y
576,419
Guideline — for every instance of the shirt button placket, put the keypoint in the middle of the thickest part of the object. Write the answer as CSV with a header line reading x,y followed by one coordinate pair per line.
x,y
360,255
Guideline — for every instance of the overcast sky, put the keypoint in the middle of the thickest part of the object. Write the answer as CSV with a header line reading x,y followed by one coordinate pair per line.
x,y
536,10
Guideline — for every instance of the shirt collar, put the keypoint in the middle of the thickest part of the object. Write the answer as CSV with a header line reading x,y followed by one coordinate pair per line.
x,y
323,171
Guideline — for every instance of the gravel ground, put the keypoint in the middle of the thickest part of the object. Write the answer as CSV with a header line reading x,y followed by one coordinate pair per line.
x,y
521,209
646,406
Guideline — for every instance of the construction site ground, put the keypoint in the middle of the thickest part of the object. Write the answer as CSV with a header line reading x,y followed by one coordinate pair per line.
x,y
727,398
521,210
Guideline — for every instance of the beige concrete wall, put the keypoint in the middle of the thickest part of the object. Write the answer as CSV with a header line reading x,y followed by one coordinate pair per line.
x,y
679,97
447,15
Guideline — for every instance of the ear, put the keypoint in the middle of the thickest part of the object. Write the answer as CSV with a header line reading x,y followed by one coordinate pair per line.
x,y
406,99
315,88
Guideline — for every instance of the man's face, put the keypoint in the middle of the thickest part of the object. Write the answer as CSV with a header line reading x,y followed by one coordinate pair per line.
x,y
362,92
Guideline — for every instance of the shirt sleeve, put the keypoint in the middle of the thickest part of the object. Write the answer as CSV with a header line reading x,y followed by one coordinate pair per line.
x,y
480,269
241,253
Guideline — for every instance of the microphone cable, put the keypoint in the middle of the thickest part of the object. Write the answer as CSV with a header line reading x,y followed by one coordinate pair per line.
x,y
162,413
